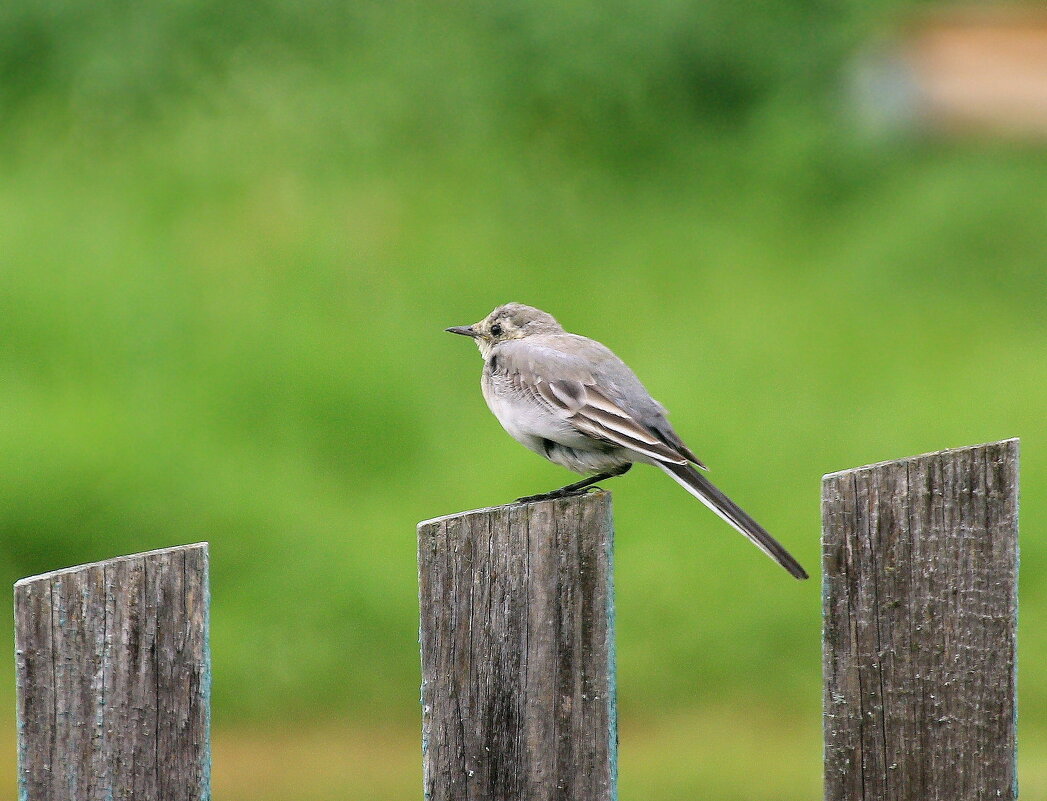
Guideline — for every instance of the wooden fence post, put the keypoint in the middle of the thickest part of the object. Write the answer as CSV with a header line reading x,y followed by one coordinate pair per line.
x,y
114,680
920,564
517,640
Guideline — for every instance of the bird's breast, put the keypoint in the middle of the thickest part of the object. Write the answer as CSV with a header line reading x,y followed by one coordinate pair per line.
x,y
523,416
546,431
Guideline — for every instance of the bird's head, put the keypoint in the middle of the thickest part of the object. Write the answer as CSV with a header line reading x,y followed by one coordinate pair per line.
x,y
511,321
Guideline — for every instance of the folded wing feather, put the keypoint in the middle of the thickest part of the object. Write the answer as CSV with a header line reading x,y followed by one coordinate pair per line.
x,y
596,415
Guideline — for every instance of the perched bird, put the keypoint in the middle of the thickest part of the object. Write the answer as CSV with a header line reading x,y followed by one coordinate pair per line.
x,y
570,399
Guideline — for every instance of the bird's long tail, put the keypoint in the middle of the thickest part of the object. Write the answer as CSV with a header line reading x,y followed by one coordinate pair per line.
x,y
704,490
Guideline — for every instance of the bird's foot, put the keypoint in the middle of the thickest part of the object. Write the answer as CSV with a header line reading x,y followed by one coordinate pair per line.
x,y
545,496
555,494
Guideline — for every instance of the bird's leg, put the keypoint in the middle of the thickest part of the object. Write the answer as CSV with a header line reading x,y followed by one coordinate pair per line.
x,y
578,487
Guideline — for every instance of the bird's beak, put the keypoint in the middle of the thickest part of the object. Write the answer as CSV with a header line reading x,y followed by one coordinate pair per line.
x,y
464,330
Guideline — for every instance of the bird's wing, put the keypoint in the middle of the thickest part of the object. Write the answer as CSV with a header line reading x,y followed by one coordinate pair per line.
x,y
667,435
564,383
620,383
596,415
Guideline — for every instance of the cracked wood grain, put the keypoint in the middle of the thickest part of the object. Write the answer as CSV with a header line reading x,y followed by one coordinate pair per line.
x,y
920,560
517,642
113,680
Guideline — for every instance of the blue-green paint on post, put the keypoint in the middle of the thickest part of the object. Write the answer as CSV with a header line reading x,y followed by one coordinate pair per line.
x,y
205,684
23,789
612,667
1017,608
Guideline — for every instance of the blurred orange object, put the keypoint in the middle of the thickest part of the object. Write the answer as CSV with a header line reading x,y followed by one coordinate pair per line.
x,y
961,69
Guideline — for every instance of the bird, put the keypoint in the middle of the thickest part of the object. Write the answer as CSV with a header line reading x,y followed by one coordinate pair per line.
x,y
571,400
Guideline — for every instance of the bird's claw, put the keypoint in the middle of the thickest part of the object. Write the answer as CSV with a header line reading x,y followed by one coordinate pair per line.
x,y
554,495
545,496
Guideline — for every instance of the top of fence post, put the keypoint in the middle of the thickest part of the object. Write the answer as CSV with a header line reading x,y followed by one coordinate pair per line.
x,y
920,561
114,678
517,640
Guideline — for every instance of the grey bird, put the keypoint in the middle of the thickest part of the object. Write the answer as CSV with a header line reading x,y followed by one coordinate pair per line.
x,y
570,399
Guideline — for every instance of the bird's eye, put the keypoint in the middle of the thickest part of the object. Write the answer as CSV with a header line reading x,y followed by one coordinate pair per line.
x,y
496,330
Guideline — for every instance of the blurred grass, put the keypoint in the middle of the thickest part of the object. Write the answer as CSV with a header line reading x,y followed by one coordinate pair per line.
x,y
738,754
679,757
230,241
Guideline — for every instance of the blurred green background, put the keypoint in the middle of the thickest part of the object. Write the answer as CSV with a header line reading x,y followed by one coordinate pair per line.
x,y
232,233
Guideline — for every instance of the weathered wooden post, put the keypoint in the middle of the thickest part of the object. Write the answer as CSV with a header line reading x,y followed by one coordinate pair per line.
x,y
920,592
517,638
114,680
